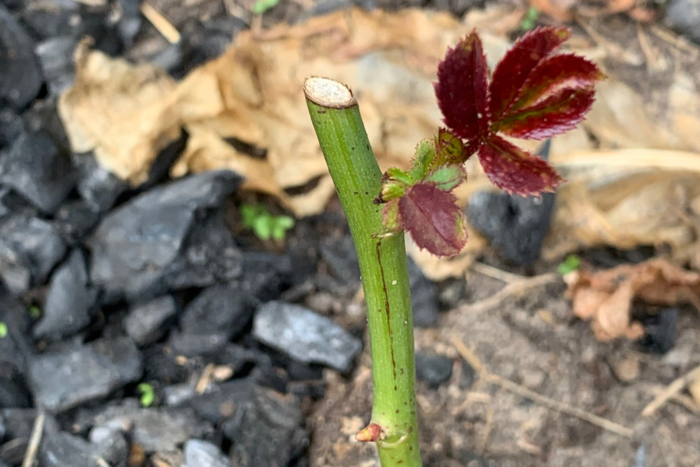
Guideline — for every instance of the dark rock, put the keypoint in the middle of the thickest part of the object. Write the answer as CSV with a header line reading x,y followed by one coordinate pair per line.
x,y
305,335
56,58
660,331
13,391
458,7
467,377
3,430
178,394
433,369
74,220
51,19
200,453
65,379
515,226
43,116
218,309
18,422
195,345
36,169
210,256
15,349
423,297
684,16
13,451
63,450
96,185
265,275
110,444
312,389
130,22
144,323
160,365
142,249
238,358
69,302
11,127
267,432
104,33
222,400
20,73
340,255
156,430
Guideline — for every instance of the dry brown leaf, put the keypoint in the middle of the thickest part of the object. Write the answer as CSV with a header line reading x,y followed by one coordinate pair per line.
x,y
605,297
557,9
694,389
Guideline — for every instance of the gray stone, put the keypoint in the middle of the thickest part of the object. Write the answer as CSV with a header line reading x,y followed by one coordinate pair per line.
x,y
65,450
3,430
74,220
200,453
64,379
433,369
423,297
96,185
218,309
36,169
268,432
69,301
29,249
144,323
138,245
684,15
56,58
304,335
110,444
20,73
156,430
195,345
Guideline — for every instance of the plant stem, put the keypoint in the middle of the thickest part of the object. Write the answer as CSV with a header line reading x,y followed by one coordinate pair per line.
x,y
357,177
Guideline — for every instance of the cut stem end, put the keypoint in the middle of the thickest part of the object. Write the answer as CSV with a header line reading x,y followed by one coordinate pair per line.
x,y
370,433
329,93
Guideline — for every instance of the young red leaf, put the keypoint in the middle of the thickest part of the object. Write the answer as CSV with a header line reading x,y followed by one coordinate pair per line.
x,y
555,115
515,170
514,69
461,89
554,75
433,219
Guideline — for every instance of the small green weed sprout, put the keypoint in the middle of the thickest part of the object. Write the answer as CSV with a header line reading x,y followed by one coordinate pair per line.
x,y
570,264
34,311
148,394
265,225
530,19
3,330
261,6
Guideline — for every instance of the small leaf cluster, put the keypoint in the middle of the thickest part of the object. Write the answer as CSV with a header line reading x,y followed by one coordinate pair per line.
x,y
264,224
532,94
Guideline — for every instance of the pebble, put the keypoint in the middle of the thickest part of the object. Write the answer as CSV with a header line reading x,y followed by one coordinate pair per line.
x,y
145,322
433,369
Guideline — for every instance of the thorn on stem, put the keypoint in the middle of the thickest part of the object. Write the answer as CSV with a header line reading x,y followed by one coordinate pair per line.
x,y
371,433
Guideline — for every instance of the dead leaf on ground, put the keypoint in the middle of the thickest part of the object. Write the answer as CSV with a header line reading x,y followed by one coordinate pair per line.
x,y
605,297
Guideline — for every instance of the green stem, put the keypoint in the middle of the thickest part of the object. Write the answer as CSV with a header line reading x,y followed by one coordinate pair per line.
x,y
355,172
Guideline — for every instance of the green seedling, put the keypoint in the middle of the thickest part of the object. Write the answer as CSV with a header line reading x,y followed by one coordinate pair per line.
x,y
570,264
261,6
530,19
34,311
533,93
265,225
3,330
148,394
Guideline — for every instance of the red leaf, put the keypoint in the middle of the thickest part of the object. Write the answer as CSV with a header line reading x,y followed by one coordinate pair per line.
x,y
554,75
513,70
554,115
461,89
515,170
433,219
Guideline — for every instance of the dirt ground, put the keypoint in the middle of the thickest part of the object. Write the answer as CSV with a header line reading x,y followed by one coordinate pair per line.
x,y
529,339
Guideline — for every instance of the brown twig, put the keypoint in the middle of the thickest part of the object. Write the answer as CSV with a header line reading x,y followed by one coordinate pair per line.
x,y
161,23
470,357
34,440
674,388
205,379
512,289
496,273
